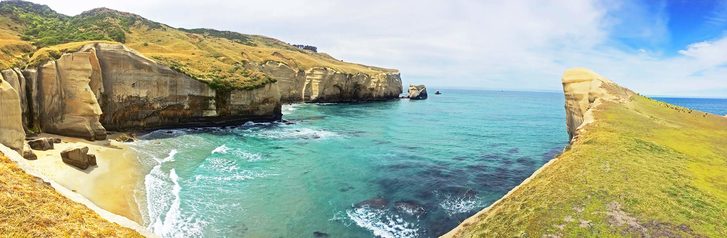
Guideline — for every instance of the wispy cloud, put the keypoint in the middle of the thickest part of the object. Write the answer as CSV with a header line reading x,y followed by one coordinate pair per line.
x,y
468,43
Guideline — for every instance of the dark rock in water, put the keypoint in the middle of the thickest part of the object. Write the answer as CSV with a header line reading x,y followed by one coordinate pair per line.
x,y
287,122
437,93
78,157
346,188
552,153
378,203
460,191
169,132
417,92
410,207
318,234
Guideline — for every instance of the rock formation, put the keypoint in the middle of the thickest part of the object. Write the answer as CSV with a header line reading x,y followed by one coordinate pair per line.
x,y
417,92
67,102
110,86
41,143
584,90
11,127
78,157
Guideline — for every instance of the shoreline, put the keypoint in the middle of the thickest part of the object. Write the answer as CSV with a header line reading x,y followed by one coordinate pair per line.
x,y
475,218
73,195
111,185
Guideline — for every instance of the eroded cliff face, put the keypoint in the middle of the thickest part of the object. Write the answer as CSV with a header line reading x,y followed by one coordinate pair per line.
x,y
328,85
107,86
67,103
12,134
584,90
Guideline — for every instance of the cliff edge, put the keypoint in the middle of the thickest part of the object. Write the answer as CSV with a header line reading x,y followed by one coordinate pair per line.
x,y
635,167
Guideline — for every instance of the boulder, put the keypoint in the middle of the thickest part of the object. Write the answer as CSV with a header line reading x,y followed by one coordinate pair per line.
x,y
78,157
41,143
12,133
417,92
28,153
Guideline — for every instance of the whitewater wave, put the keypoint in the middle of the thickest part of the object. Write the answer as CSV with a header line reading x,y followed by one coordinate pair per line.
x,y
239,176
296,133
382,222
288,108
454,204
164,202
239,153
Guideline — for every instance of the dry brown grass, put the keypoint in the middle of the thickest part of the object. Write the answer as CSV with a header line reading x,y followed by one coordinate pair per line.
x,y
32,208
13,50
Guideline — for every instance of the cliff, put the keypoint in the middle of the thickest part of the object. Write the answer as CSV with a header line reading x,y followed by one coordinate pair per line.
x,y
128,73
635,167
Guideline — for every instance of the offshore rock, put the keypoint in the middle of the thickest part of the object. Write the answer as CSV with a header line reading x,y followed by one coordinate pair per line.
x,y
417,92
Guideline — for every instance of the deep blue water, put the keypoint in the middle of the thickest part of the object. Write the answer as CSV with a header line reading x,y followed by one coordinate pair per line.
x,y
711,105
391,169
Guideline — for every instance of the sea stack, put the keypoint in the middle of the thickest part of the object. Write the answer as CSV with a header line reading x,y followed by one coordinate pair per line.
x,y
417,92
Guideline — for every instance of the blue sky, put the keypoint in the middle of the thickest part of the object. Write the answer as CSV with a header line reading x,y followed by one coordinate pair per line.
x,y
676,48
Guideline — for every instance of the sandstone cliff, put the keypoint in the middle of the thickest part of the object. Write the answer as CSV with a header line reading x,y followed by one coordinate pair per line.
x,y
322,84
585,90
11,127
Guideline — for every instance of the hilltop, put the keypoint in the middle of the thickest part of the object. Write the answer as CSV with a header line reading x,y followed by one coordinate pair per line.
x,y
224,59
635,167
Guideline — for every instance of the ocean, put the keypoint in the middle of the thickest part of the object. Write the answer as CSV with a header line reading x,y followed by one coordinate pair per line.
x,y
389,169
711,105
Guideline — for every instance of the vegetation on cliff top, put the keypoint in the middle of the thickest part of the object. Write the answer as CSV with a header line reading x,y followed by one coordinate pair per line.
x,y
642,169
32,208
225,59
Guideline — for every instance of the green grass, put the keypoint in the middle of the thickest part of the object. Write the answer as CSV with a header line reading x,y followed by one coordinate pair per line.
x,y
663,167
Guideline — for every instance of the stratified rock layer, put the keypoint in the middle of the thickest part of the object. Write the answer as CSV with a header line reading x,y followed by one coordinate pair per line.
x,y
585,89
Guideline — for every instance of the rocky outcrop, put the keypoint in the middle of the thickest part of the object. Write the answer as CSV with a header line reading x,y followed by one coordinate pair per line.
x,y
78,157
109,86
329,85
12,134
137,94
584,90
67,102
417,92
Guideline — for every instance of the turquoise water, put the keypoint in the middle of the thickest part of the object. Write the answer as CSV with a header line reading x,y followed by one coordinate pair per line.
x,y
711,105
389,169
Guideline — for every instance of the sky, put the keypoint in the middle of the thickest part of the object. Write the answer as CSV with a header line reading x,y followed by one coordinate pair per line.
x,y
655,47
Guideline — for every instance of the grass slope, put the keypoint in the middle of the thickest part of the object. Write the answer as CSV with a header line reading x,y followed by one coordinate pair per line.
x,y
643,169
31,208
222,58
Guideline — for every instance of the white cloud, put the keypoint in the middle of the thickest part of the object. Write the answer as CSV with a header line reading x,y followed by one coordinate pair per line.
x,y
465,43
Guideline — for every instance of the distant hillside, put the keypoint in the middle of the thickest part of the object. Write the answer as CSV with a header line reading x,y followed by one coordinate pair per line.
x,y
222,58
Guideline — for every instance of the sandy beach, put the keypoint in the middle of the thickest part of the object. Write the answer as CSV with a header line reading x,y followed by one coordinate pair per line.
x,y
111,184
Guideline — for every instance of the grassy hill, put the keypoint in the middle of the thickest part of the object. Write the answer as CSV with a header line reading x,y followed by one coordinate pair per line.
x,y
642,169
222,58
31,208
